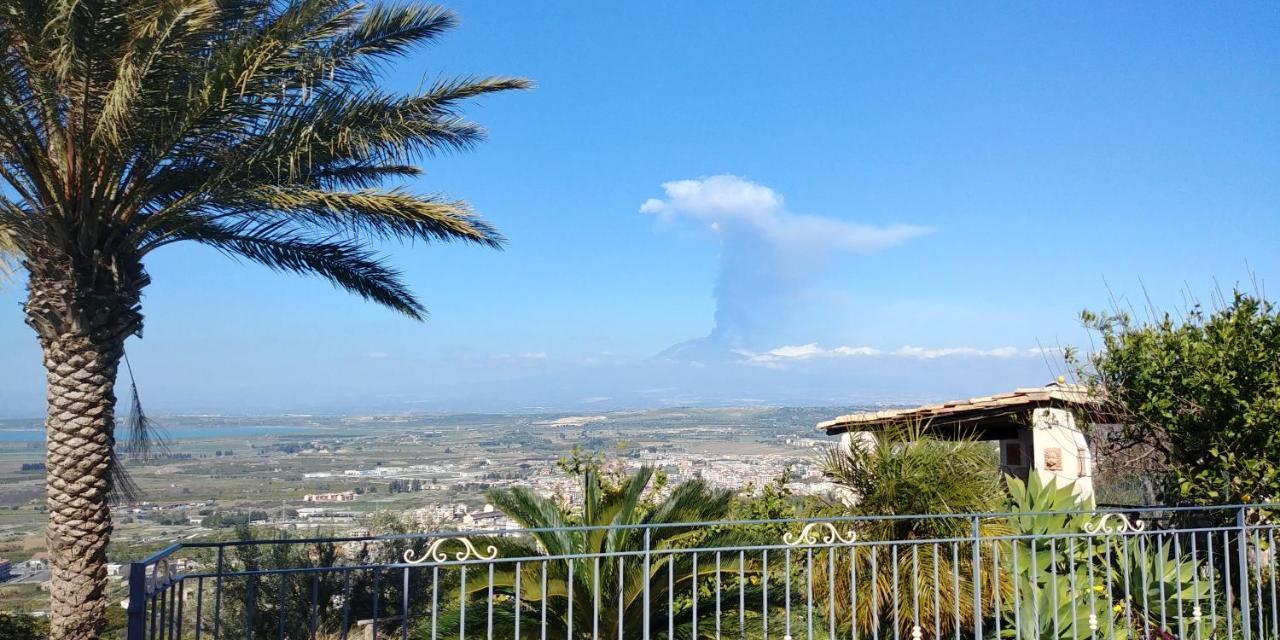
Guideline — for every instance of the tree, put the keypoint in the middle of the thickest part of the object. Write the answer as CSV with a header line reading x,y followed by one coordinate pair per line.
x,y
16,626
1202,392
904,472
251,126
613,504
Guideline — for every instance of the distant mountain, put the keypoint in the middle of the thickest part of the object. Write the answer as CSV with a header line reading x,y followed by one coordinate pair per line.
x,y
707,350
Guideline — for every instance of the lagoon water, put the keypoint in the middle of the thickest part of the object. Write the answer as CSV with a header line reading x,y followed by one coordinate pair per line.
x,y
182,433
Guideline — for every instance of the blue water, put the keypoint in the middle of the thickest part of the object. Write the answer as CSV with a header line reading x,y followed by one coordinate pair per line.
x,y
182,433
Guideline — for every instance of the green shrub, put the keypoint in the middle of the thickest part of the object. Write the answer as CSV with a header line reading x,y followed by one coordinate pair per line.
x,y
1203,392
15,626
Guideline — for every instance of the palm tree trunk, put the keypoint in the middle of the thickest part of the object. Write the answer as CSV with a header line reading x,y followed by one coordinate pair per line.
x,y
79,428
82,318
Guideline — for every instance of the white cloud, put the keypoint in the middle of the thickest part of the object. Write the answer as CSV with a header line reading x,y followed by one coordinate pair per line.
x,y
532,355
928,354
855,351
776,357
715,198
802,352
728,201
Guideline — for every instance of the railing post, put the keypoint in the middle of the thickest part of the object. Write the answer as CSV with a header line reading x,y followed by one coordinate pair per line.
x,y
217,595
647,560
1242,526
137,611
977,578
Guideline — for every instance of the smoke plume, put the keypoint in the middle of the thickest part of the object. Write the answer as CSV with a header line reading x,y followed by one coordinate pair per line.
x,y
768,254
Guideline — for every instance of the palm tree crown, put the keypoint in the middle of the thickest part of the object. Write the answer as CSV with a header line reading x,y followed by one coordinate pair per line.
x,y
252,126
603,591
902,472
256,127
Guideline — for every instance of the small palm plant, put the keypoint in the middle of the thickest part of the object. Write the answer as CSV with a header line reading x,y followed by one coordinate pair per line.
x,y
924,584
583,573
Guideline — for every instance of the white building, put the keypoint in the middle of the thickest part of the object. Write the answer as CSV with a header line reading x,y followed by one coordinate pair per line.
x,y
337,496
489,519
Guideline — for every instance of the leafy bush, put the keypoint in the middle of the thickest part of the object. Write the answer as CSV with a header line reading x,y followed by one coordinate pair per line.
x,y
14,626
1202,391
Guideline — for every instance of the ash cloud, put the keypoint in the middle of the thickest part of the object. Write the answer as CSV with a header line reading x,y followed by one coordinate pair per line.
x,y
768,254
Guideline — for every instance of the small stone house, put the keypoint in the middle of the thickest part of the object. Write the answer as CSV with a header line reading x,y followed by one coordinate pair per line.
x,y
1036,428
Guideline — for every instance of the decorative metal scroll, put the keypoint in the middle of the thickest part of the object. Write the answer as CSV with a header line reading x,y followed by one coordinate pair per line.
x,y
163,572
809,535
1121,524
435,554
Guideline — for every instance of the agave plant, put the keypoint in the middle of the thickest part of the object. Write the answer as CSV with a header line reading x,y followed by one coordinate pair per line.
x,y
1069,568
1042,506
1044,511
1159,590
1054,594
1060,608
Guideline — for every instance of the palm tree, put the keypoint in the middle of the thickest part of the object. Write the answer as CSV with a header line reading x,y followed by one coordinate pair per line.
x,y
607,582
903,472
251,126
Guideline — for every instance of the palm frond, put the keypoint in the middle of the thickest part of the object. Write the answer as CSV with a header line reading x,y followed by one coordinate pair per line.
x,y
390,30
532,511
145,438
161,37
8,256
14,220
377,214
691,501
347,264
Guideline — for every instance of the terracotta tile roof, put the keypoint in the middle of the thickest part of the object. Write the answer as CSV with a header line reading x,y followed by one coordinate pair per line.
x,y
1002,404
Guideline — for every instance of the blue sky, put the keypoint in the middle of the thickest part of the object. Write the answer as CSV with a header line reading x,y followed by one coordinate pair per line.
x,y
910,201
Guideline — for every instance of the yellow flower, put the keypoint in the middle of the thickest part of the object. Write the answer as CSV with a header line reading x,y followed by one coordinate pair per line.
x,y
1118,608
1099,588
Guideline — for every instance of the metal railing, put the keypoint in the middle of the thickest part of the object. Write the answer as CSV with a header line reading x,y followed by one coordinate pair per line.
x,y
1174,573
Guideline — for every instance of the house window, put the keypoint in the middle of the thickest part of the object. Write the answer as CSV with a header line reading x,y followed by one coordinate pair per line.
x,y
1013,454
